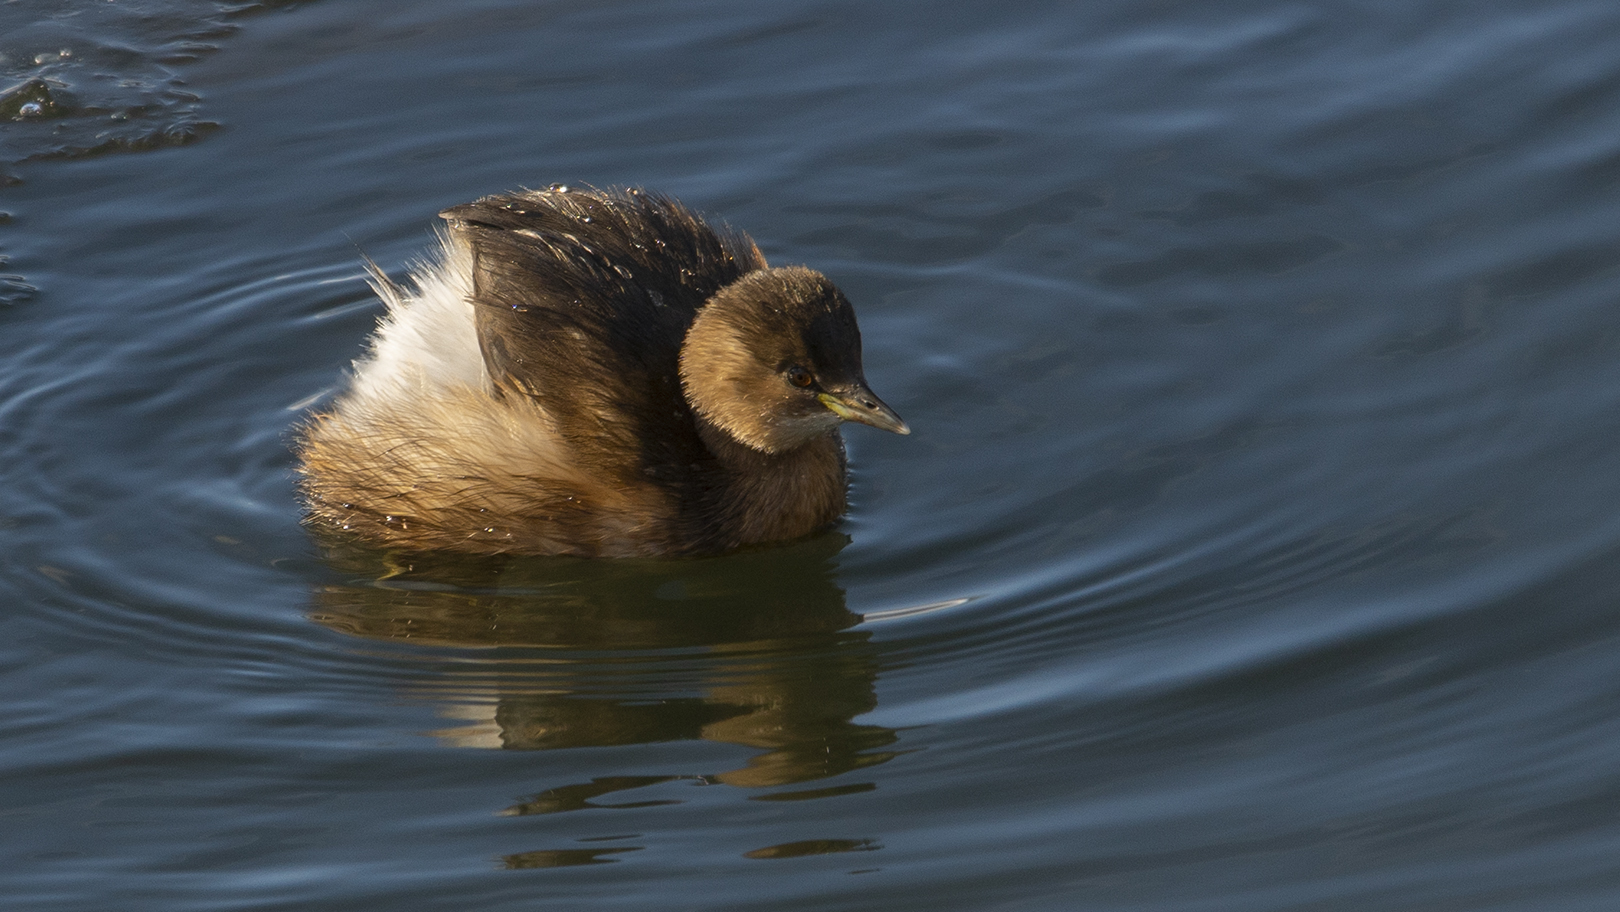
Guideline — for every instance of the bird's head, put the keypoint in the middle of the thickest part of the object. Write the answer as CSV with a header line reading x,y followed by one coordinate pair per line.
x,y
774,360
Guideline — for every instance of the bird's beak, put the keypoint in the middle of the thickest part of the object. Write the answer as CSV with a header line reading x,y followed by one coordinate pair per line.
x,y
857,403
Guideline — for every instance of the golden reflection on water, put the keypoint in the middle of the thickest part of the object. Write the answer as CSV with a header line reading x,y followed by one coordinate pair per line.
x,y
814,847
754,649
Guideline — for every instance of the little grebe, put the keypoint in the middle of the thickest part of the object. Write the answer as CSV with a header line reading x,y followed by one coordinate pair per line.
x,y
595,373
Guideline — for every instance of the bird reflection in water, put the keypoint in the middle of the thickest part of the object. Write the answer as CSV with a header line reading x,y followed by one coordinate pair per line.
x,y
753,649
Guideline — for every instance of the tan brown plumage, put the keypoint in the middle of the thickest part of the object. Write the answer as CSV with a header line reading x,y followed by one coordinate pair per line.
x,y
595,373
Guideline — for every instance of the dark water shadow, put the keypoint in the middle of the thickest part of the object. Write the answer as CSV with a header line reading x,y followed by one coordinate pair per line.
x,y
753,649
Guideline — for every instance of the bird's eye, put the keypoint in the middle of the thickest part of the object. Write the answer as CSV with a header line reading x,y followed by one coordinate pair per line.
x,y
800,377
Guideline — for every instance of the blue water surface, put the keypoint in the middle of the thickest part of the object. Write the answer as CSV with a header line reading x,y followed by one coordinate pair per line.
x,y
1256,547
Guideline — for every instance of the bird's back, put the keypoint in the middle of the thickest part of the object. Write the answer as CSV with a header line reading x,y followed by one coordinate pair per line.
x,y
582,300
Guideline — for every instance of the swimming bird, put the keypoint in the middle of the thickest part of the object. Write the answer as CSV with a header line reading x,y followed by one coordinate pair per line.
x,y
598,373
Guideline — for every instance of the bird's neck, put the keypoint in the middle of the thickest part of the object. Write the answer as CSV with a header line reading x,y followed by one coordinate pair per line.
x,y
776,496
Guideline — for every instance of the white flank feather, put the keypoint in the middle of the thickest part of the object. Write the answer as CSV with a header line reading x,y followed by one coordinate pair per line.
x,y
427,343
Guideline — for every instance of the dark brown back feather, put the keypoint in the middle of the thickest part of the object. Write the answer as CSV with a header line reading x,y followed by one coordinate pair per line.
x,y
583,299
